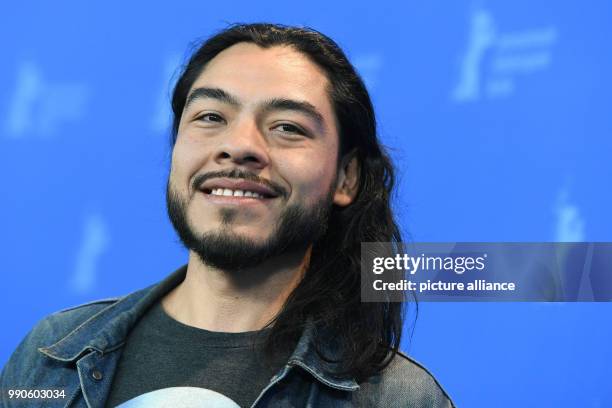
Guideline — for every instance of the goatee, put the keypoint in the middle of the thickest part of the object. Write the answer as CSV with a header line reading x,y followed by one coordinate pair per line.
x,y
297,228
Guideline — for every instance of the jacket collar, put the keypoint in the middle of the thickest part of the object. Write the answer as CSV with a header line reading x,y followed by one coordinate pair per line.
x,y
107,330
305,355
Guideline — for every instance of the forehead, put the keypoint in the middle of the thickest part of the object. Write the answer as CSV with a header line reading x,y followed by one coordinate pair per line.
x,y
253,73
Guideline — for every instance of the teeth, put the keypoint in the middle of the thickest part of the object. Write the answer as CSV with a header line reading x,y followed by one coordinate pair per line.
x,y
234,193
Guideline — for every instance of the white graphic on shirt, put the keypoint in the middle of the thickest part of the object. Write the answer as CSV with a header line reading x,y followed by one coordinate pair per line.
x,y
184,397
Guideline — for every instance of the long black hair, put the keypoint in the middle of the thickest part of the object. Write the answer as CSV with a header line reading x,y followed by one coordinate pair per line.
x,y
329,296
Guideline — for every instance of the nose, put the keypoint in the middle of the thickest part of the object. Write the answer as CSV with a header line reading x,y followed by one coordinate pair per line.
x,y
243,144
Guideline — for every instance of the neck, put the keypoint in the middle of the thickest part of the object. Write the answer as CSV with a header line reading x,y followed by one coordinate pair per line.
x,y
246,300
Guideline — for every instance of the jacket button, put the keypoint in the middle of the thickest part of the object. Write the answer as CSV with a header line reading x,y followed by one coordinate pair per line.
x,y
96,375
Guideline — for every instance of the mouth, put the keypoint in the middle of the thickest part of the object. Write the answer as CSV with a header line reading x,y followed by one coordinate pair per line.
x,y
242,189
227,192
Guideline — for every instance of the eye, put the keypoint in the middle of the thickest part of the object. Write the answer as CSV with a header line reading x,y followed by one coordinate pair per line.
x,y
290,129
211,117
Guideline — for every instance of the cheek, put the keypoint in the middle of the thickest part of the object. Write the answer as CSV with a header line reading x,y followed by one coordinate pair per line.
x,y
310,175
185,163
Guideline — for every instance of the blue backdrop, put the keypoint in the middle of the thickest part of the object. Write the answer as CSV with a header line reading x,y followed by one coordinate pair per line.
x,y
497,114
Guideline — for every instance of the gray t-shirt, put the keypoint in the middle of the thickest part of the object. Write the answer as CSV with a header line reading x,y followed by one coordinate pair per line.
x,y
165,363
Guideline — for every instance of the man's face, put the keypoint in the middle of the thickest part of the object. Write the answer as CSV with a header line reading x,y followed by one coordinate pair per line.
x,y
256,153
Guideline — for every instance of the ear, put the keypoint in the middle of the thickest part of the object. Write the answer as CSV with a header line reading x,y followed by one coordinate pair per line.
x,y
347,184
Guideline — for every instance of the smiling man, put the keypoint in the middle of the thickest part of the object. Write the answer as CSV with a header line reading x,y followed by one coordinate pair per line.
x,y
277,176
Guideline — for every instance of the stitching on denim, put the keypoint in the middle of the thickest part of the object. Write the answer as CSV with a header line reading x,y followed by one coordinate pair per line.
x,y
319,376
59,342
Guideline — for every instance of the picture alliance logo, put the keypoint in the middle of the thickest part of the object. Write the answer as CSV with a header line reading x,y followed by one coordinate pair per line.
x,y
413,264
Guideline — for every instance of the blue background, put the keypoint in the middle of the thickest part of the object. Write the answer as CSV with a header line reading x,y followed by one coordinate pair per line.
x,y
497,114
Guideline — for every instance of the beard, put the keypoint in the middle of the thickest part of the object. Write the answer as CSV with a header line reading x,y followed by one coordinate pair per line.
x,y
297,228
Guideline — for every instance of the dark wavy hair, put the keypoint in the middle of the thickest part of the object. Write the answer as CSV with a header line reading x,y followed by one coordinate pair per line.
x,y
366,335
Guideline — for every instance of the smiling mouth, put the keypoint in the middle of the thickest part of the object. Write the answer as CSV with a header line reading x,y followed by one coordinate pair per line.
x,y
226,192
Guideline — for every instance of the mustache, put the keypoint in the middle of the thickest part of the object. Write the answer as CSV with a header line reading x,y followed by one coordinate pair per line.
x,y
238,174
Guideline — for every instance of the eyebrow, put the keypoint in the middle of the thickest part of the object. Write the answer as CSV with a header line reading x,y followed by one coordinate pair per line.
x,y
212,93
269,105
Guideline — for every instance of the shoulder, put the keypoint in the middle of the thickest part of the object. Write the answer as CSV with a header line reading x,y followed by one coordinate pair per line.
x,y
59,324
51,329
406,383
77,313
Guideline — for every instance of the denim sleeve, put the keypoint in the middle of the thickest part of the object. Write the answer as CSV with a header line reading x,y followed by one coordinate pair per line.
x,y
28,368
20,370
405,383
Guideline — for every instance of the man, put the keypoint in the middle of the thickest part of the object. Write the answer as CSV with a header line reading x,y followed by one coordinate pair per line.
x,y
277,176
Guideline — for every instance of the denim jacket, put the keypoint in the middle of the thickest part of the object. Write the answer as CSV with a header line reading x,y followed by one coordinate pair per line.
x,y
77,350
